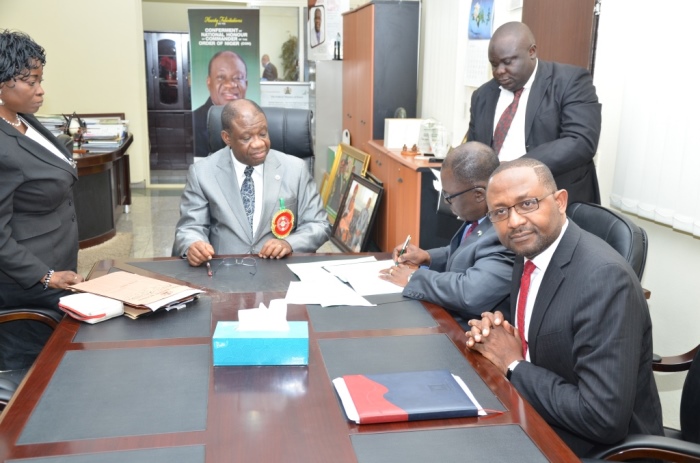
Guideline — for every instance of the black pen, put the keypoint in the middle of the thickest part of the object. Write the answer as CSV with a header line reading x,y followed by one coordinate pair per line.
x,y
403,249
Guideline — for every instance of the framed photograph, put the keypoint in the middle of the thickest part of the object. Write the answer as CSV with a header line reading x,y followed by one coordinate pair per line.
x,y
348,161
358,208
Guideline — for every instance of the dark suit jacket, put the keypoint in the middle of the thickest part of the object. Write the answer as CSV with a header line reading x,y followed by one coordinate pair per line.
x,y
467,278
38,227
270,72
562,125
199,125
590,346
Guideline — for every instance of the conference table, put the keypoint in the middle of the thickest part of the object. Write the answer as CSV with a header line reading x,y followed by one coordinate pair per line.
x,y
146,389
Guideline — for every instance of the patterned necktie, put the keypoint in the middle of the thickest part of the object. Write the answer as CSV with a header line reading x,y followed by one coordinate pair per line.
x,y
468,231
248,195
499,135
522,300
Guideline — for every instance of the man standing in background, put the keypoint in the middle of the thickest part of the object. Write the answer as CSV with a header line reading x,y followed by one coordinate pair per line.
x,y
269,69
538,109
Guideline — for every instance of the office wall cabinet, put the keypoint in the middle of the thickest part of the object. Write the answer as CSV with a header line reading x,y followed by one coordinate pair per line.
x,y
380,67
409,203
169,100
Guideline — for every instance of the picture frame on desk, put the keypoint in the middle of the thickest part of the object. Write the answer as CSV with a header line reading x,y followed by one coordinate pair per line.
x,y
359,208
348,161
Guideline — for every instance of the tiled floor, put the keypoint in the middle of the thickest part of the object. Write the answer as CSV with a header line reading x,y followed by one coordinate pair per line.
x,y
152,219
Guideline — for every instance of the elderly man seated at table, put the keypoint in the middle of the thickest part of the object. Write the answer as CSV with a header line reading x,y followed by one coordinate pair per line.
x,y
247,198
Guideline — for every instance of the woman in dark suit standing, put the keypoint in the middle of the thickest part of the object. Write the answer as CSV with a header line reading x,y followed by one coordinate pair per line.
x,y
38,227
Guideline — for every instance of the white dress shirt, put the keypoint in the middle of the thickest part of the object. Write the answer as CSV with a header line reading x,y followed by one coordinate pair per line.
x,y
514,143
541,262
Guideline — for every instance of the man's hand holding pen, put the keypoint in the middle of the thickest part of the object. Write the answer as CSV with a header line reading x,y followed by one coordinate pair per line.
x,y
413,256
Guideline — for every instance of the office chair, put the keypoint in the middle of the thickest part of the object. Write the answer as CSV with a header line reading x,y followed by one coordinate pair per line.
x,y
289,129
681,445
9,380
626,237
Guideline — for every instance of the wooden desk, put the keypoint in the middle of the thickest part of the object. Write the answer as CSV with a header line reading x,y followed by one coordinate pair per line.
x,y
104,186
253,414
409,203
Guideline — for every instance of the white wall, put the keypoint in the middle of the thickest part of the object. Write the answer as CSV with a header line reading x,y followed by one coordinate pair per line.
x,y
94,60
671,271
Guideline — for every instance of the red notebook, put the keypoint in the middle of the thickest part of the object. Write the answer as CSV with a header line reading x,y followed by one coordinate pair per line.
x,y
404,396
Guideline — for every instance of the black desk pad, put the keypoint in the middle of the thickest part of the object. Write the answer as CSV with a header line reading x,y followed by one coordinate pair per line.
x,y
123,392
393,315
483,444
272,275
190,454
194,321
391,354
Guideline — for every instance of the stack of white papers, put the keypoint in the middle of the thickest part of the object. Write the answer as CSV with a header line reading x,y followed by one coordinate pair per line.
x,y
324,282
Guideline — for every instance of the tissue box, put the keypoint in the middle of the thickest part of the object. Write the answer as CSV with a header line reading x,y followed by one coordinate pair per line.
x,y
234,347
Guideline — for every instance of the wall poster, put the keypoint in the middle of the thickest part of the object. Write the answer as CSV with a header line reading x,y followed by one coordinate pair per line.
x,y
224,47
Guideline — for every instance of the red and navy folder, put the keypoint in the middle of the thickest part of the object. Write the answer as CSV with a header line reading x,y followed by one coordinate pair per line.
x,y
408,396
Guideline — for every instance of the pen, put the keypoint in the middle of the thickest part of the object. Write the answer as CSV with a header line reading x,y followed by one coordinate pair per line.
x,y
403,249
209,269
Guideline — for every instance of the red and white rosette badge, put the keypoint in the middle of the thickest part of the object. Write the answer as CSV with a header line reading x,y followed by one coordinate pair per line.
x,y
282,222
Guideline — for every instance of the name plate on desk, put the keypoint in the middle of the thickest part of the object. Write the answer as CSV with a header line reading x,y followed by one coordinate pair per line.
x,y
232,346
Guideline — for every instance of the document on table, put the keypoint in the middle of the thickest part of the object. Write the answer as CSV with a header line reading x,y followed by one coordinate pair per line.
x,y
326,291
364,276
137,290
311,271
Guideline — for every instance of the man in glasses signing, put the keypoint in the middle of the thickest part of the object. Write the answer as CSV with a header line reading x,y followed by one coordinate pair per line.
x,y
472,274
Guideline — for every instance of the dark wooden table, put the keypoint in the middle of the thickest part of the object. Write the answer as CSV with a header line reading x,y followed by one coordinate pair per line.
x,y
306,418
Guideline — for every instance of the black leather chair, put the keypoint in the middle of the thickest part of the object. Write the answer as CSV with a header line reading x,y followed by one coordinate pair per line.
x,y
289,129
679,445
10,379
626,237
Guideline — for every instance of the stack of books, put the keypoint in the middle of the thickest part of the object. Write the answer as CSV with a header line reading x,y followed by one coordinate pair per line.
x,y
99,133
55,123
104,133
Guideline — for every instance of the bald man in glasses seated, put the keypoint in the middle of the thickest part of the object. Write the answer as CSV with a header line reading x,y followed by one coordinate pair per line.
x,y
472,274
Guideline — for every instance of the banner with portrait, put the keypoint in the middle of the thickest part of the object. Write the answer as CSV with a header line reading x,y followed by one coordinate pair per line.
x,y
224,62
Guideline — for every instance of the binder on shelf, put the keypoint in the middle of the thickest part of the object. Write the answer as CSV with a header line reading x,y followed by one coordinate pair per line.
x,y
405,396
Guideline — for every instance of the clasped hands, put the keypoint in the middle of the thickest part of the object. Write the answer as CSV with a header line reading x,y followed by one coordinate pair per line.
x,y
201,251
496,339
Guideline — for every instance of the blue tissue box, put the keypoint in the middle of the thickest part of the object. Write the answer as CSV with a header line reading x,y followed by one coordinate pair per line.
x,y
233,347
